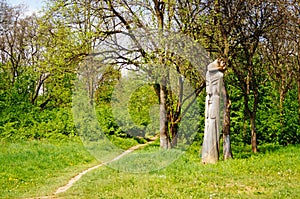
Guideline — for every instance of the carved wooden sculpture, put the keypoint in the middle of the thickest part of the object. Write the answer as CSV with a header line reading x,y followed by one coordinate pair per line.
x,y
211,145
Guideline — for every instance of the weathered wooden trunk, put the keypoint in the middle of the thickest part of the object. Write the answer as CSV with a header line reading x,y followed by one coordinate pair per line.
x,y
211,143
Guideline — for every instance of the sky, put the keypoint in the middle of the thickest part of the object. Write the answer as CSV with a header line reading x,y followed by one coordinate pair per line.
x,y
32,5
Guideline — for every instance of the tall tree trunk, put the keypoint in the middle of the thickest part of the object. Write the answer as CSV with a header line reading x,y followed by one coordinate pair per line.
x,y
177,113
38,87
251,113
164,136
159,7
252,117
281,99
298,77
298,82
282,94
244,132
174,133
253,132
226,127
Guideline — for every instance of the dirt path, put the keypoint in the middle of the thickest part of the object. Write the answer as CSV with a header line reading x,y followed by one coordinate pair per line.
x,y
78,176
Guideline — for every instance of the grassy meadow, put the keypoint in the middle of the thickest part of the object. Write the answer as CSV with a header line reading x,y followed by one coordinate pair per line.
x,y
38,168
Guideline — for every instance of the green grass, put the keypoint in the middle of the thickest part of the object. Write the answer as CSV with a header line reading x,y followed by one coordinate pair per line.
x,y
274,173
38,168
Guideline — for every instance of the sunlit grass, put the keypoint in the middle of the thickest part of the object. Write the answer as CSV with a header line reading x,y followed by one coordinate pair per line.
x,y
274,173
36,168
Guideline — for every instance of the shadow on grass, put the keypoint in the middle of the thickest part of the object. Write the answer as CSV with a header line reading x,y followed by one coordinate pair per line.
x,y
245,151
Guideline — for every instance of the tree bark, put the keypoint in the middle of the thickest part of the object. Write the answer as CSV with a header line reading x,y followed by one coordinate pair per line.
x,y
253,133
284,87
174,133
252,117
164,136
281,99
177,113
251,113
38,86
227,153
298,82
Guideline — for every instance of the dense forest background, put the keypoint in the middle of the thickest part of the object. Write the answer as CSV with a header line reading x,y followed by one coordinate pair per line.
x,y
41,55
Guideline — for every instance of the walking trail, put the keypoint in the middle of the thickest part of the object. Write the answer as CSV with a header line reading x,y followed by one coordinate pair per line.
x,y
78,176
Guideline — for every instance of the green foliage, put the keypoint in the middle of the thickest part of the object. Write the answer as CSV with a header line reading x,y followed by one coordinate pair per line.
x,y
128,108
273,124
201,122
60,48
105,87
291,123
125,143
16,124
113,132
106,120
269,126
239,127
143,109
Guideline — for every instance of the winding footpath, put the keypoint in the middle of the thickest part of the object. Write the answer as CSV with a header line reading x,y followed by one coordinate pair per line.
x,y
78,176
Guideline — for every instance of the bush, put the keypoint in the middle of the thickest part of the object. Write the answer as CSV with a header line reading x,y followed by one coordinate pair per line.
x,y
37,124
